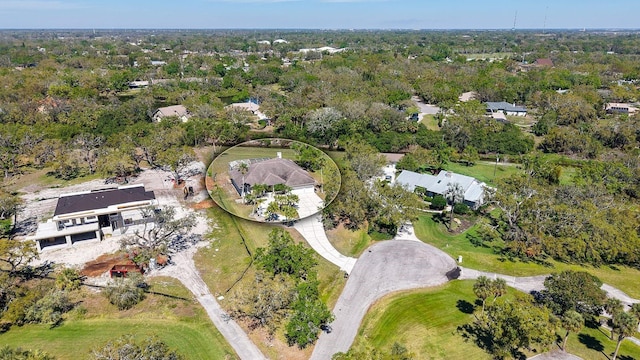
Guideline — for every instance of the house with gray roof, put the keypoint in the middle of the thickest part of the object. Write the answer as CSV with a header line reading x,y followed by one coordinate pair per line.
x,y
270,172
474,190
506,108
90,215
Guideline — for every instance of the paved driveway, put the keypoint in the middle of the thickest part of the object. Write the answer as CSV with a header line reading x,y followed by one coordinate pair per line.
x,y
385,267
312,230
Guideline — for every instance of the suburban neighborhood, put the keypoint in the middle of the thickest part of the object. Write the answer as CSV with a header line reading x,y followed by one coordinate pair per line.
x,y
319,194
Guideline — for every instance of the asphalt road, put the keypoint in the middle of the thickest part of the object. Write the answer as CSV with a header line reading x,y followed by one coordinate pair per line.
x,y
385,267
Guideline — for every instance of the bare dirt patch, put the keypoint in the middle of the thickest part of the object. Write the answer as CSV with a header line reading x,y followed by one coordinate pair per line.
x,y
104,263
204,204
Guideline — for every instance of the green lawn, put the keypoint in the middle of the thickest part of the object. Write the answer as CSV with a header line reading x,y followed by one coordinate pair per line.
x,y
426,321
225,261
176,319
483,258
430,122
348,242
484,171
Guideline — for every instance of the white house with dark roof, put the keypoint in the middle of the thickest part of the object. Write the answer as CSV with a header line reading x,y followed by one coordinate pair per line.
x,y
474,190
89,215
506,108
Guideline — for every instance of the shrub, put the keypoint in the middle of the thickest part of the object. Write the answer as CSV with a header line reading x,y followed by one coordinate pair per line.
x,y
461,209
68,279
125,293
127,348
50,308
439,202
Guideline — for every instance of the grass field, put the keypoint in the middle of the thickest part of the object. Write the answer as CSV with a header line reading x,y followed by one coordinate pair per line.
x,y
348,242
177,319
484,171
430,122
484,258
223,264
426,321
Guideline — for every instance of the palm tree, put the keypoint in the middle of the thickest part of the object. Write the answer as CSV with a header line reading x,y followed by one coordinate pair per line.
x,y
498,288
455,194
482,289
613,306
243,167
572,321
625,325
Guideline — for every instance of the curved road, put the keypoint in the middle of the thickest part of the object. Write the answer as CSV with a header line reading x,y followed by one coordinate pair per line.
x,y
384,268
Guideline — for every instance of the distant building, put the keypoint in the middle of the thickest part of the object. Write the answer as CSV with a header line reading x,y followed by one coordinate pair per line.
x,y
544,62
506,108
176,110
468,96
619,108
89,215
474,190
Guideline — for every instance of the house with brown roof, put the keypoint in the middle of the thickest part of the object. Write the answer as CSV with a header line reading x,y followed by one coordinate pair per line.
x,y
543,62
269,172
178,111
90,215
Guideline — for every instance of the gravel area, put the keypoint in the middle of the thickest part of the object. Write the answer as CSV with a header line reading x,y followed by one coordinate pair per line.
x,y
40,205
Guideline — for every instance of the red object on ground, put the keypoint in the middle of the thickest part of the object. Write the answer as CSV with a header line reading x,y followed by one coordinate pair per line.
x,y
124,269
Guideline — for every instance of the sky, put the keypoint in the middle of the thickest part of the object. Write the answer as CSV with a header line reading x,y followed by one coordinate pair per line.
x,y
319,14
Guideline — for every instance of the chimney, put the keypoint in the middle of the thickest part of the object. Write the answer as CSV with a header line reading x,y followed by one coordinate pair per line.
x,y
279,154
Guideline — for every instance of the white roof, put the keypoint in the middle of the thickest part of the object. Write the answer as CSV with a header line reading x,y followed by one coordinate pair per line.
x,y
411,179
473,189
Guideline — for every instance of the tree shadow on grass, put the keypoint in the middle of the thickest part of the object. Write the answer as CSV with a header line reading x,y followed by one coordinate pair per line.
x,y
465,306
592,343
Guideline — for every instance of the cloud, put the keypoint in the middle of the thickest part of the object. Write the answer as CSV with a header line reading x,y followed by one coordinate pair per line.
x,y
35,5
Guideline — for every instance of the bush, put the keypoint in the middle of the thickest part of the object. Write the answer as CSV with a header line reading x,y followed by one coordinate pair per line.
x,y
7,353
68,279
461,209
127,348
50,308
125,293
439,202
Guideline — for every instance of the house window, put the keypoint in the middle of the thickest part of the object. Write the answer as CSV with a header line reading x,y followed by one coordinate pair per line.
x,y
128,221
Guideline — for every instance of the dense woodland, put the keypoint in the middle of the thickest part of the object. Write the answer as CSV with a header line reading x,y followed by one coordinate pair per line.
x,y
67,107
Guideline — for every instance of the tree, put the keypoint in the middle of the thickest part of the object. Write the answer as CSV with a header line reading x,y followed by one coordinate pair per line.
x,y
161,228
485,287
482,289
454,194
574,290
309,315
571,321
364,160
177,160
512,325
125,292
624,325
309,157
127,348
284,256
17,254
89,145
264,301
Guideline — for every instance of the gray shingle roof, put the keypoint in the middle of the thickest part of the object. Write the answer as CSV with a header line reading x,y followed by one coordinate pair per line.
x,y
504,106
473,189
273,172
